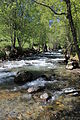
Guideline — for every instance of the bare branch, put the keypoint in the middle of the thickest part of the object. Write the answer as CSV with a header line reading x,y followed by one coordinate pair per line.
x,y
47,6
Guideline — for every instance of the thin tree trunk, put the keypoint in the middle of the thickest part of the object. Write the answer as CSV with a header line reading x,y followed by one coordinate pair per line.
x,y
73,29
14,42
39,47
11,41
19,43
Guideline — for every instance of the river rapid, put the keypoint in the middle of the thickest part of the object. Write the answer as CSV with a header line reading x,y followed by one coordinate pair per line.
x,y
63,86
40,63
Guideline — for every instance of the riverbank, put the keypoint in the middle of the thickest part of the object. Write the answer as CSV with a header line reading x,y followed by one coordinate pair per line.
x,y
17,53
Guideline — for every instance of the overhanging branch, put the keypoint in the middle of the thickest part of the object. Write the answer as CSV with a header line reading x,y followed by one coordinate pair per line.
x,y
47,6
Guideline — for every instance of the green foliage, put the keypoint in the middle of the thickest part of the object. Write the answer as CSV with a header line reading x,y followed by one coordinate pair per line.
x,y
2,54
28,24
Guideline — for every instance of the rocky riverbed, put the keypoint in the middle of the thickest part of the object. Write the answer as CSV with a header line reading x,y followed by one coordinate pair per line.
x,y
64,102
58,98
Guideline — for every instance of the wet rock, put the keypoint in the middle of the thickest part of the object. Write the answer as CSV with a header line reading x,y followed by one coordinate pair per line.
x,y
69,67
45,96
33,89
26,97
75,63
44,77
72,64
22,77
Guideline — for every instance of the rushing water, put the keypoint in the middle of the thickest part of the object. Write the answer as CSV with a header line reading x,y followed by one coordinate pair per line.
x,y
64,88
42,62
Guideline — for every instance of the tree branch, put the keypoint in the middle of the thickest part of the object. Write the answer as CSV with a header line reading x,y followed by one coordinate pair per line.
x,y
50,7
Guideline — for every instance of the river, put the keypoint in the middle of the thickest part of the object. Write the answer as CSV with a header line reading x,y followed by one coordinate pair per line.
x,y
63,86
42,62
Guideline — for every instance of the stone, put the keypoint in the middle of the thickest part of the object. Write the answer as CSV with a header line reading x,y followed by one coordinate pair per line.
x,y
75,63
72,64
69,67
44,77
33,89
44,96
22,77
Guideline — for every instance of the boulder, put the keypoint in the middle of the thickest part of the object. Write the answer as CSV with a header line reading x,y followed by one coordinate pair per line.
x,y
75,63
69,67
44,77
22,77
72,64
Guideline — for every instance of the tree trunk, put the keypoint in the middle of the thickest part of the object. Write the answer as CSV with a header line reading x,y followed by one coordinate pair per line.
x,y
19,43
73,29
69,16
14,42
11,41
39,47
45,47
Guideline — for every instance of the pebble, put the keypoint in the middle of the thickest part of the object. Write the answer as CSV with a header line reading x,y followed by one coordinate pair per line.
x,y
44,96
33,89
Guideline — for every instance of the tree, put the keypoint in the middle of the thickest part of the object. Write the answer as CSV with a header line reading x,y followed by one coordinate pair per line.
x,y
22,21
73,29
70,19
12,15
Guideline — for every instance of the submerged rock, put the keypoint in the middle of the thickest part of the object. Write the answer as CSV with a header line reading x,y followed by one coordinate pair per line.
x,y
22,77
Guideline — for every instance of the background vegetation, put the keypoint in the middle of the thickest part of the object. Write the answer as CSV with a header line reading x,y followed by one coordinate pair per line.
x,y
29,23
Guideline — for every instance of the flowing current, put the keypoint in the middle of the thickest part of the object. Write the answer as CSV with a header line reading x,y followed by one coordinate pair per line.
x,y
63,88
43,62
